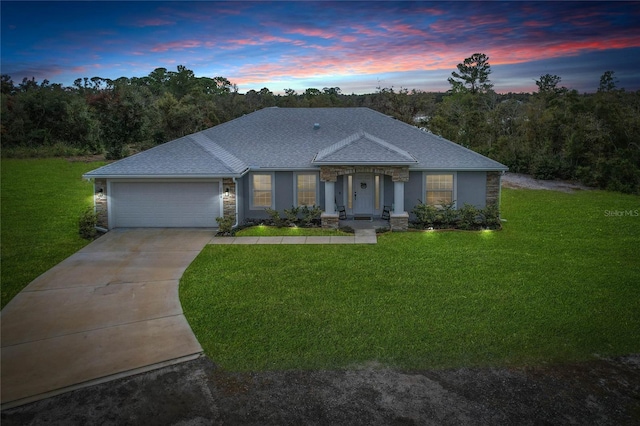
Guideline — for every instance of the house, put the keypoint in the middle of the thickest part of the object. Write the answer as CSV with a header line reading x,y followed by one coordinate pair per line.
x,y
354,159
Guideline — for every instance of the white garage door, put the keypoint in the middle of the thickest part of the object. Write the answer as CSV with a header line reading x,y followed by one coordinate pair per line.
x,y
164,204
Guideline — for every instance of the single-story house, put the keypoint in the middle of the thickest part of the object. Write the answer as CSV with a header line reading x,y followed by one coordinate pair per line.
x,y
352,161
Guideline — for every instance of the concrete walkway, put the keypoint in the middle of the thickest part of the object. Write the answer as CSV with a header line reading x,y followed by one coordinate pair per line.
x,y
361,236
109,310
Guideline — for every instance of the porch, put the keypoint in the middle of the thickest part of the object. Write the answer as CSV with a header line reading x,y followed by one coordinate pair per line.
x,y
357,195
374,223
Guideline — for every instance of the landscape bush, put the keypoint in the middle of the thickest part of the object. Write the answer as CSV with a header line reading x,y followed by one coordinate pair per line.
x,y
468,217
87,224
225,224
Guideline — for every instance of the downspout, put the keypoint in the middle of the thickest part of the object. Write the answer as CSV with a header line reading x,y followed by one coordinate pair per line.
x,y
235,184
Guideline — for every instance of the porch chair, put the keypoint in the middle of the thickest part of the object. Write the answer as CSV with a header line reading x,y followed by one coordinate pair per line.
x,y
386,212
342,212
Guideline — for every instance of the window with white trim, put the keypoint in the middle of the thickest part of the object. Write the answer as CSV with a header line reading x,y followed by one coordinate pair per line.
x,y
261,190
306,189
439,189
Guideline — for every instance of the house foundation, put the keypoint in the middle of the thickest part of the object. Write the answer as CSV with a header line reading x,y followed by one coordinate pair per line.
x,y
399,222
329,221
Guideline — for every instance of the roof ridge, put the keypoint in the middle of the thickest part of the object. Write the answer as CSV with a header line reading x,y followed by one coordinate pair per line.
x,y
324,152
233,163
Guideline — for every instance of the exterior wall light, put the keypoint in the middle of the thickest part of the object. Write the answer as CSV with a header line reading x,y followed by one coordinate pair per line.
x,y
226,192
100,194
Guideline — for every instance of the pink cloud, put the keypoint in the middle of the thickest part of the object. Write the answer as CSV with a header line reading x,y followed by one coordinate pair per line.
x,y
154,22
535,24
404,29
431,11
176,45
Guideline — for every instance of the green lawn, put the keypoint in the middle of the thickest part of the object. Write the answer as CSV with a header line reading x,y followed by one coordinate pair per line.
x,y
41,203
560,282
271,231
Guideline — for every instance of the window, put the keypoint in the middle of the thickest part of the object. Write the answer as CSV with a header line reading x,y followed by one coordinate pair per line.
x,y
306,189
262,190
439,189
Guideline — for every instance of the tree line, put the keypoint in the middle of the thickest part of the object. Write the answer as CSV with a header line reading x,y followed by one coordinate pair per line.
x,y
553,133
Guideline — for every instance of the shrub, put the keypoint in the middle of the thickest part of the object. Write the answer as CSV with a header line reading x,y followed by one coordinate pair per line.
x,y
425,214
491,216
469,217
275,217
87,224
225,224
448,215
309,214
292,215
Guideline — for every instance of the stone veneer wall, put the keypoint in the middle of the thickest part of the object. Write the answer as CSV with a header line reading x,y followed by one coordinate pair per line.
x,y
228,203
331,173
102,210
493,188
330,221
399,222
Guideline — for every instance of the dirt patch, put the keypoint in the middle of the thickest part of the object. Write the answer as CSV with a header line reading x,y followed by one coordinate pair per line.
x,y
517,180
603,392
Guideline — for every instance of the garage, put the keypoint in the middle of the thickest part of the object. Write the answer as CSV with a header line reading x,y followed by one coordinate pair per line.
x,y
164,204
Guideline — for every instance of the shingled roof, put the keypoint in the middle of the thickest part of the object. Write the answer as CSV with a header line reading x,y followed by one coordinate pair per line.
x,y
298,139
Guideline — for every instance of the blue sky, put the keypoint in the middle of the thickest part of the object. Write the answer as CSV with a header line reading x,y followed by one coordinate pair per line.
x,y
356,46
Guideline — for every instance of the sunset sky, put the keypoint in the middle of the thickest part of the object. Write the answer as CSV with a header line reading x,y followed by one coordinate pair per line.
x,y
356,46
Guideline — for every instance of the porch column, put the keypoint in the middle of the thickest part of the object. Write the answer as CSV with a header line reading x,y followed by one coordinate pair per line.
x,y
329,218
330,197
398,197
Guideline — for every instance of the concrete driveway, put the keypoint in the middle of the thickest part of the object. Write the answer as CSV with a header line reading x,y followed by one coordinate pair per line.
x,y
109,310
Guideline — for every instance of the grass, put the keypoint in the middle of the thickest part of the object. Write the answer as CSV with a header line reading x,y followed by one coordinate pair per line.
x,y
272,231
41,203
559,283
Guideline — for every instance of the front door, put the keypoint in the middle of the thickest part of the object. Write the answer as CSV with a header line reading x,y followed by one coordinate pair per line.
x,y
363,194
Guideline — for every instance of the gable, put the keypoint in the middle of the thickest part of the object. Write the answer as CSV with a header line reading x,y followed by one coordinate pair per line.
x,y
363,148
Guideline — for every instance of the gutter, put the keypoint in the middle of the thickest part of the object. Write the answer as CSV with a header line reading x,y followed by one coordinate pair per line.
x,y
96,176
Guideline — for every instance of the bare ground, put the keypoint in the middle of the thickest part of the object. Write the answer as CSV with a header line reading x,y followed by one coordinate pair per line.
x,y
600,392
517,180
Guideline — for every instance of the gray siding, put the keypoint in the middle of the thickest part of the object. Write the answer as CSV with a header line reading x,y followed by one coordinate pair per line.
x,y
284,190
340,191
388,191
413,191
284,195
241,194
472,189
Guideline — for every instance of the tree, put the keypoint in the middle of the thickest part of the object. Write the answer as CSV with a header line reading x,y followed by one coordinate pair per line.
x,y
548,84
607,82
473,75
7,85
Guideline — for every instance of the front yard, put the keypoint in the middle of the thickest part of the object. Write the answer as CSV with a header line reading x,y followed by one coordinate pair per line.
x,y
557,284
42,200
